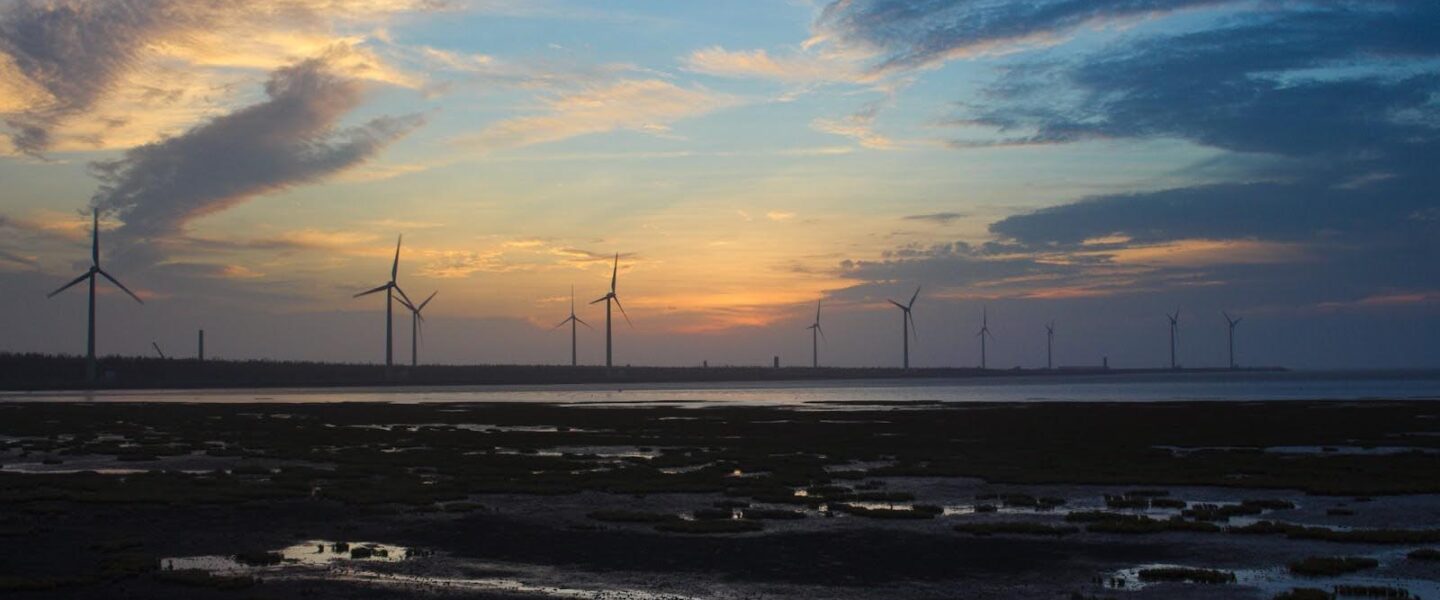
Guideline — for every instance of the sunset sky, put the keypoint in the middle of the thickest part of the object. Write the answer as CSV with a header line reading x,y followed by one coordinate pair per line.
x,y
1093,163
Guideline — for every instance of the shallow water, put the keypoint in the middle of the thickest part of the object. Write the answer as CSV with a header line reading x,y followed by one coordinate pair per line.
x,y
1147,387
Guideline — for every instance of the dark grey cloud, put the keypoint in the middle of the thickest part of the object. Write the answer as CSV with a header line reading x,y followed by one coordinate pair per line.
x,y
75,51
943,218
292,138
916,33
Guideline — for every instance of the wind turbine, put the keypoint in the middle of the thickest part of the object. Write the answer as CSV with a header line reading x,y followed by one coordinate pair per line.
x,y
1232,323
815,334
1174,328
390,288
984,333
572,320
90,275
607,298
907,318
415,325
1049,345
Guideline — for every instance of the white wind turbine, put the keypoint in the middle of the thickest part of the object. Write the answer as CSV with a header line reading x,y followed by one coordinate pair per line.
x,y
816,332
389,288
94,270
907,319
573,320
607,299
416,326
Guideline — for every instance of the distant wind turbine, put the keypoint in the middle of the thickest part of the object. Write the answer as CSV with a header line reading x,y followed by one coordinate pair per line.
x,y
573,321
90,274
158,350
1050,345
416,326
984,333
815,334
907,319
390,288
607,298
1232,323
1174,330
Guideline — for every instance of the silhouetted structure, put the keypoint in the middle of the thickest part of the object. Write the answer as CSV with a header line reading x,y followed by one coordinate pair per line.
x,y
1174,329
984,333
907,326
90,366
416,327
389,288
1050,345
1232,323
815,334
156,346
607,298
573,320
200,354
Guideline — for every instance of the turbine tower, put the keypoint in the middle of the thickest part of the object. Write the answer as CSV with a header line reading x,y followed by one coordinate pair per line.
x,y
1232,323
815,334
572,320
984,333
1174,329
390,288
90,275
907,318
607,298
1050,345
416,320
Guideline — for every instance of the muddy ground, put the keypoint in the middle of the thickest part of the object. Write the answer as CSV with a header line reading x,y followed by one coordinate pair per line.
x,y
659,501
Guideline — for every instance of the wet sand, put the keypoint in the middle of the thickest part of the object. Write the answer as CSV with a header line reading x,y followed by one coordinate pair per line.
x,y
660,501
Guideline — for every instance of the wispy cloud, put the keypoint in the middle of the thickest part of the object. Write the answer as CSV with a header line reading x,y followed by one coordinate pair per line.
x,y
643,105
290,139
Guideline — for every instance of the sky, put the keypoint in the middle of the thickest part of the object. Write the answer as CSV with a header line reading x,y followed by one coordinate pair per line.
x,y
1094,165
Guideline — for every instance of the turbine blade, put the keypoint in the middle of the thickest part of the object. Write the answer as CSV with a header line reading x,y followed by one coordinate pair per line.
x,y
600,299
821,330
407,305
817,311
95,238
614,272
898,305
368,292
910,318
581,321
69,285
119,285
402,293
427,301
917,295
395,266
622,312
561,324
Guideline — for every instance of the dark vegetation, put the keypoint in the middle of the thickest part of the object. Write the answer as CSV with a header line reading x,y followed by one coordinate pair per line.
x,y
1371,591
343,457
1016,528
1186,575
1329,566
1424,554
1305,594
63,372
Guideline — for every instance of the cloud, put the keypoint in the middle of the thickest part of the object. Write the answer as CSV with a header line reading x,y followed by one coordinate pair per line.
x,y
794,68
942,218
915,34
290,139
644,105
779,215
63,59
859,126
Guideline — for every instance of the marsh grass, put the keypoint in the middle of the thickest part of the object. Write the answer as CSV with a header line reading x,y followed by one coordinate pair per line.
x,y
1329,566
1187,575
1016,527
630,516
1371,591
1305,594
1427,554
711,526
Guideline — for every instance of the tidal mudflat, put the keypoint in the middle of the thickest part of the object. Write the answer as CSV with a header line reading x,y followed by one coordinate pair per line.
x,y
897,500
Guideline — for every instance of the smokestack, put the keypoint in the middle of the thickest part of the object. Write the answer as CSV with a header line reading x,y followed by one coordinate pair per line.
x,y
202,345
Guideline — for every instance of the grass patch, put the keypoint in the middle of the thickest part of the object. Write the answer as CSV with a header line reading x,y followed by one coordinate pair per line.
x,y
1371,591
1016,527
199,578
1187,575
1305,594
630,516
1430,554
710,527
1329,566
